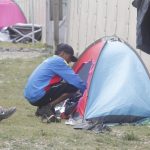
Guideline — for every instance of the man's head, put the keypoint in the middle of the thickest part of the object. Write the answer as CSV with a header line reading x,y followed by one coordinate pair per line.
x,y
66,52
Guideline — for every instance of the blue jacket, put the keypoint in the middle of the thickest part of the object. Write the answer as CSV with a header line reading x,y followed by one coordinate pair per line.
x,y
51,70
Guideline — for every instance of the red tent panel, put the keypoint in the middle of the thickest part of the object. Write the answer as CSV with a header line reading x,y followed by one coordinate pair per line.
x,y
90,54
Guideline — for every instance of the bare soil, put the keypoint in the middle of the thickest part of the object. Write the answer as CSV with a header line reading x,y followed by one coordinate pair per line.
x,y
23,53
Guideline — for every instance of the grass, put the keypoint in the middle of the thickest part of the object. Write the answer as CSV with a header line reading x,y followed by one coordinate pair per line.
x,y
24,131
130,137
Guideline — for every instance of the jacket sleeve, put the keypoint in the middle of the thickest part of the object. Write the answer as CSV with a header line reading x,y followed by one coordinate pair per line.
x,y
66,72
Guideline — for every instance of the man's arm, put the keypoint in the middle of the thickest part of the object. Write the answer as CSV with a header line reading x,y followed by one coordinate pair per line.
x,y
67,73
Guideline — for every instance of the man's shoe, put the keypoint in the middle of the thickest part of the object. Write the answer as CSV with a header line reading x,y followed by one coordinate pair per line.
x,y
53,118
46,110
50,119
6,113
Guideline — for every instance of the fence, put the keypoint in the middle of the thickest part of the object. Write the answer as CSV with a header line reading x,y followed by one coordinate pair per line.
x,y
93,19
86,21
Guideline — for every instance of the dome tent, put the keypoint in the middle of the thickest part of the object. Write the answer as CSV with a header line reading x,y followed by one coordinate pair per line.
x,y
10,13
118,83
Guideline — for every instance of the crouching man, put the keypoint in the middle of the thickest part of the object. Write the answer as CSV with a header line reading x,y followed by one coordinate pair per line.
x,y
53,81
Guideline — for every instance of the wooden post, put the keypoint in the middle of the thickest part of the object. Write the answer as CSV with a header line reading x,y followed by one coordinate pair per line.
x,y
48,27
56,22
32,8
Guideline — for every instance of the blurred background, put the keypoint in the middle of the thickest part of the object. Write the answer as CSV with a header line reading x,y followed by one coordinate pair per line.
x,y
82,22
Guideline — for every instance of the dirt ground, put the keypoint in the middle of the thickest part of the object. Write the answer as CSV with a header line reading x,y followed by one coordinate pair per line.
x,y
21,53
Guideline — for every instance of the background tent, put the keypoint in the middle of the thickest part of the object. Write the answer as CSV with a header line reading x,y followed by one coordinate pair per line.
x,y
10,13
118,84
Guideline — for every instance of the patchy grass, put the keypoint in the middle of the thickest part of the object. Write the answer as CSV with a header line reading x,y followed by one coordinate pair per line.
x,y
24,131
130,137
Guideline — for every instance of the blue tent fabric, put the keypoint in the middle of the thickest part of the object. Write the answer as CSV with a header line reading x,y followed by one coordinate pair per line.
x,y
120,87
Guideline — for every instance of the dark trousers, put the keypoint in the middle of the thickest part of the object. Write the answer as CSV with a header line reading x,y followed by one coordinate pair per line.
x,y
55,92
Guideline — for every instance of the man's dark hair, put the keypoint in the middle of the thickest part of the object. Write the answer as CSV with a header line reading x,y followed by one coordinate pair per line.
x,y
67,49
64,47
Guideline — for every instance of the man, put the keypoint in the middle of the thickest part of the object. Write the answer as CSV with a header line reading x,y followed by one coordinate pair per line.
x,y
6,113
53,80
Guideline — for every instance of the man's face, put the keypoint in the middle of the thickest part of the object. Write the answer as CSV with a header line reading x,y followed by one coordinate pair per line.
x,y
66,56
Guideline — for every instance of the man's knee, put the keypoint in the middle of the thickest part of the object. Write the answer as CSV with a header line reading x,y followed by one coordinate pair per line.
x,y
70,88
